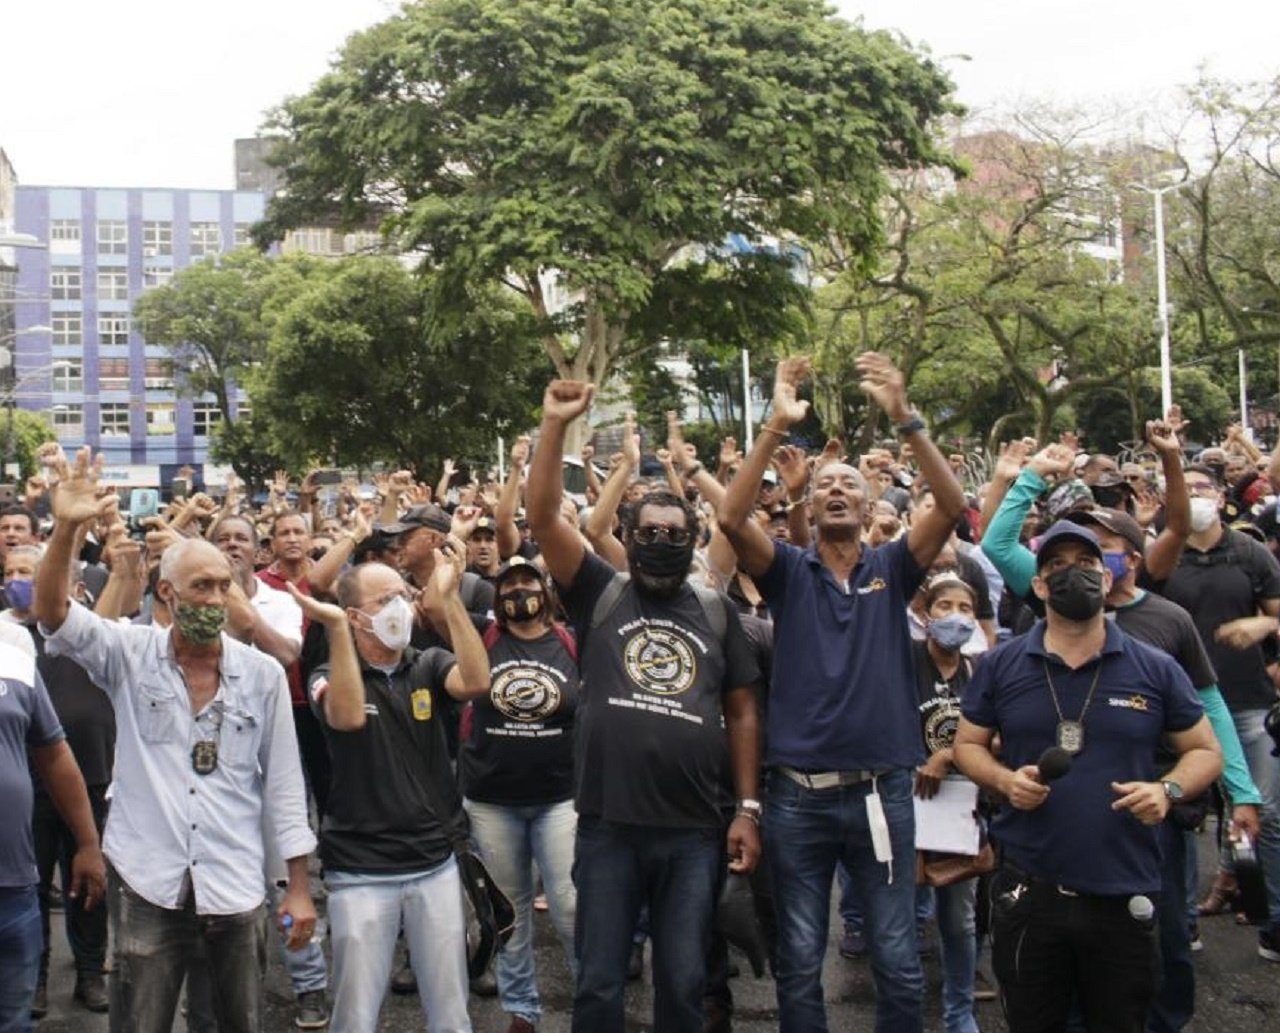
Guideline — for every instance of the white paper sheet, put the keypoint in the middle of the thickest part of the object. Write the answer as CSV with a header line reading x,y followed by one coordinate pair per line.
x,y
946,822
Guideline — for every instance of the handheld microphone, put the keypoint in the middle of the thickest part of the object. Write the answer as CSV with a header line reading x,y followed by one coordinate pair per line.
x,y
1053,764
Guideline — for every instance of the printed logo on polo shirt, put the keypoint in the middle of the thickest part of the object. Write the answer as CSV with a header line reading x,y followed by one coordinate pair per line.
x,y
1129,702
420,699
659,661
525,694
876,584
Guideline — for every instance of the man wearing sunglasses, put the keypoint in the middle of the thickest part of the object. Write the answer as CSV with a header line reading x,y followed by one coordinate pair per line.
x,y
667,707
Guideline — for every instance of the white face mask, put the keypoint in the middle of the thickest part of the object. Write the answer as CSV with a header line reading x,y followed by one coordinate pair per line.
x,y
393,624
1204,514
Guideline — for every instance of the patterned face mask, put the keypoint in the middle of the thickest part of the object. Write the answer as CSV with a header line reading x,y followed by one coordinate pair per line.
x,y
199,625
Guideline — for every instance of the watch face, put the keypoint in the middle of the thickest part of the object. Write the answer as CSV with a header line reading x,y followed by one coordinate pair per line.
x,y
1172,790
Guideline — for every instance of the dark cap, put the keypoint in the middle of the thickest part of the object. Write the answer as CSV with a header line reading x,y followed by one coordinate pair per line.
x,y
1066,531
1114,521
487,525
428,515
1112,479
1068,495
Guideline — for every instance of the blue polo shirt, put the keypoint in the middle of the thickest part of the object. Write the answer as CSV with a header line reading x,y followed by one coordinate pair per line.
x,y
843,696
1074,838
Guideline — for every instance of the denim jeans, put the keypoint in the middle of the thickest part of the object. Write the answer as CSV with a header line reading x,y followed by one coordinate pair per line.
x,y
152,947
1265,770
806,831
1175,1001
616,868
20,946
958,933
365,912
55,847
510,840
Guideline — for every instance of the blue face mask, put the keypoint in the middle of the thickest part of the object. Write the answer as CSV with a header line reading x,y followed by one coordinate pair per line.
x,y
20,594
1117,563
952,631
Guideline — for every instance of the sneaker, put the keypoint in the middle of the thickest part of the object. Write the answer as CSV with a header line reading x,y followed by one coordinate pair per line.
x,y
404,981
852,943
1195,943
91,991
485,984
313,1010
982,988
40,1002
1269,943
635,963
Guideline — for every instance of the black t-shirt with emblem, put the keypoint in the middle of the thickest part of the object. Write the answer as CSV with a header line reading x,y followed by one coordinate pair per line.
x,y
939,698
383,815
520,748
650,744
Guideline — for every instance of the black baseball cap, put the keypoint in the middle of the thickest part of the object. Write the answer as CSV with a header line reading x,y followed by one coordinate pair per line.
x,y
427,515
1065,531
1114,521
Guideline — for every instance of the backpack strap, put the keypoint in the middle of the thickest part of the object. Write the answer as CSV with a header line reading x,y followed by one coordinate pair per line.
x,y
609,599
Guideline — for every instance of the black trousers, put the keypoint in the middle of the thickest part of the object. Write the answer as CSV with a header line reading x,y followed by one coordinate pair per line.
x,y
55,846
315,756
1050,948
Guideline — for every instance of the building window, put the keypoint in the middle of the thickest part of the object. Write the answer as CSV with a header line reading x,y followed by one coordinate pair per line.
x,y
113,374
159,374
206,239
64,284
157,238
160,418
68,375
156,276
68,420
113,286
244,411
65,229
113,329
67,328
242,234
114,420
205,416
113,237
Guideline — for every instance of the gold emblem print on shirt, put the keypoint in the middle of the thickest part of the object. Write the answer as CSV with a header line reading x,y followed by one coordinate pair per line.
x,y
421,701
659,661
525,694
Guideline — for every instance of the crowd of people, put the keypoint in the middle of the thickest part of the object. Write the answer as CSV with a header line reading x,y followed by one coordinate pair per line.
x,y
1003,708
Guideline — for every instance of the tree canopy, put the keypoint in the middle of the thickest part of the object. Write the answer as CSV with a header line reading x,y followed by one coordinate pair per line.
x,y
592,148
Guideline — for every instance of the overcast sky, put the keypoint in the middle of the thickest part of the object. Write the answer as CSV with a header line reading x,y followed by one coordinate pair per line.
x,y
152,92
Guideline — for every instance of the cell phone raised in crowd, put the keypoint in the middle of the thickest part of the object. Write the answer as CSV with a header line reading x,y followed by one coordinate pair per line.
x,y
180,487
328,477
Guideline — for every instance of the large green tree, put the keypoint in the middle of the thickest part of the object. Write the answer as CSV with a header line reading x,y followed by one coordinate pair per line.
x,y
366,364
602,145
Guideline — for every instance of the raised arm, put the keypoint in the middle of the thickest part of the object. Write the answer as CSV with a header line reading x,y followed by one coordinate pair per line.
x,y
470,677
1162,556
74,503
344,700
324,571
504,514
561,545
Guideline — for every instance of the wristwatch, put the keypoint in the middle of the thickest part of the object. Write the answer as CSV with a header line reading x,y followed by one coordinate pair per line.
x,y
911,426
1172,790
750,806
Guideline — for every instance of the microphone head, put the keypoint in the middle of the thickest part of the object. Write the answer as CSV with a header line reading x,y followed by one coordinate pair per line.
x,y
1053,763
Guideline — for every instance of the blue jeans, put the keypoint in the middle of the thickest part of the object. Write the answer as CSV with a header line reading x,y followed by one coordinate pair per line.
x,y
1265,770
806,832
957,931
365,912
510,840
21,942
616,868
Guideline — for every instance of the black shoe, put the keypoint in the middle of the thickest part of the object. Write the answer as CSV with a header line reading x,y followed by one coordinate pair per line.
x,y
91,991
40,1002
313,1010
635,963
1269,944
404,981
485,984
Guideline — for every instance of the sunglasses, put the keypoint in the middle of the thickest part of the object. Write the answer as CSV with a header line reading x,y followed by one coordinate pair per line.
x,y
674,535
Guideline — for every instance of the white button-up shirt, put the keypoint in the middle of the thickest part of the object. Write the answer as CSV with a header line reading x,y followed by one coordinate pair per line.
x,y
166,820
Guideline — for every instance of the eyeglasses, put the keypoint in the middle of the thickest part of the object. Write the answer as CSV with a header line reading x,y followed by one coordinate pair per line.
x,y
675,535
1202,488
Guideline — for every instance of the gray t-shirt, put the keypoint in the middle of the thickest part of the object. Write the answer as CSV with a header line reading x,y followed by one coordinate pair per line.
x,y
27,720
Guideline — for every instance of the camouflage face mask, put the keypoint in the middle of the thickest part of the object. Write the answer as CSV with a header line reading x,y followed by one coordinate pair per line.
x,y
200,625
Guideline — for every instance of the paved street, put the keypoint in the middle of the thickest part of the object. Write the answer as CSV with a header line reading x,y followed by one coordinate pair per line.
x,y
1237,990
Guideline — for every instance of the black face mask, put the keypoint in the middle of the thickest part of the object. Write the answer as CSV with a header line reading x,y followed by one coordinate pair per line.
x,y
521,604
659,568
1075,593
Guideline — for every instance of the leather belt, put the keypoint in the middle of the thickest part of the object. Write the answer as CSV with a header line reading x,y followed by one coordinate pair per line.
x,y
828,779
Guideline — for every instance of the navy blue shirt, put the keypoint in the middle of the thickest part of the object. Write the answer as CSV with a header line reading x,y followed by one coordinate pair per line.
x,y
843,696
1074,838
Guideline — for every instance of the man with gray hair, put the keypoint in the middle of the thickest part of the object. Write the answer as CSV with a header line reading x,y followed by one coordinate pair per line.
x,y
204,745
